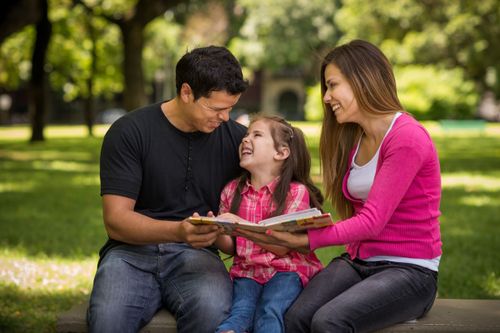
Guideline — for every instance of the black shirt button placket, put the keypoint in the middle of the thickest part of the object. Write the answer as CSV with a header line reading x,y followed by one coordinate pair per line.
x,y
188,170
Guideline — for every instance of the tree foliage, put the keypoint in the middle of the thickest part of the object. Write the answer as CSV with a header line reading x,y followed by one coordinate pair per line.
x,y
450,34
131,17
285,34
445,52
70,55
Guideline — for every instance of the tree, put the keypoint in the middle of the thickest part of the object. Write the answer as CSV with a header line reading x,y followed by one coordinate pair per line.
x,y
132,20
39,81
286,34
83,57
16,15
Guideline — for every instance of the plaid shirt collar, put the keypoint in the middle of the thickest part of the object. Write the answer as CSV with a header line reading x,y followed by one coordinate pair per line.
x,y
270,186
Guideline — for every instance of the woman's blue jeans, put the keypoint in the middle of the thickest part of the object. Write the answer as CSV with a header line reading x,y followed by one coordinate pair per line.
x,y
133,282
260,308
358,296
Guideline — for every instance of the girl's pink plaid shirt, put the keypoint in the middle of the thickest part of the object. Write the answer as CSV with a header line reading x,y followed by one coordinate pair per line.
x,y
252,261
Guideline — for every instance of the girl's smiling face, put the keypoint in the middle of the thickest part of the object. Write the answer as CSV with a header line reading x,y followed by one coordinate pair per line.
x,y
257,149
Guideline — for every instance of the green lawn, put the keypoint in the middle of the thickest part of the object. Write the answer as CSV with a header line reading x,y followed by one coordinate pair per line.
x,y
51,221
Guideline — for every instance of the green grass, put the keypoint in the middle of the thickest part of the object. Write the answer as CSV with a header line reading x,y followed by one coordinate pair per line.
x,y
51,221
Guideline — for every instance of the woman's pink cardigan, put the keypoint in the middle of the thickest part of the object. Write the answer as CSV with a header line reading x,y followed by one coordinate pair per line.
x,y
400,215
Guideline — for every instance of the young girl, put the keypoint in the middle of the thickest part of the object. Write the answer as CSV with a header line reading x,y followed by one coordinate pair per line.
x,y
276,180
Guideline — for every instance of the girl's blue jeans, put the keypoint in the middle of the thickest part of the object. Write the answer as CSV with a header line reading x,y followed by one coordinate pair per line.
x,y
358,296
260,308
133,282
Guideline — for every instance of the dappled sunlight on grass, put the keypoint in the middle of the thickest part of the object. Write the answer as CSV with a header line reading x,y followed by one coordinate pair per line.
x,y
34,310
45,155
47,274
63,166
33,291
471,247
471,182
18,186
54,131
49,198
479,201
51,220
82,180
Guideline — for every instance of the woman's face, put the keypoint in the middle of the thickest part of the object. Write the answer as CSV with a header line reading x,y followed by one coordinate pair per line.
x,y
340,97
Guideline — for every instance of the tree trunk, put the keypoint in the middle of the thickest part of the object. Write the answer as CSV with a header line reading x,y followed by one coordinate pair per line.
x,y
89,106
38,80
134,95
89,113
132,26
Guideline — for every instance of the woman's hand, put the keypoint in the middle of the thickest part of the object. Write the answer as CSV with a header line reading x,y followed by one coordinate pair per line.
x,y
294,241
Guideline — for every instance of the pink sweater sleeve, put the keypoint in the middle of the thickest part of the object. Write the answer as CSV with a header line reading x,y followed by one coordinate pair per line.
x,y
402,155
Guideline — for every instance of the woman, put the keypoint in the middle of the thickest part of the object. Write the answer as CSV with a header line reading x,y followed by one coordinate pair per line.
x,y
381,172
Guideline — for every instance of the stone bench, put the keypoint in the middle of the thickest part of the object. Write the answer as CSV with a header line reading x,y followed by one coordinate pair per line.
x,y
74,321
447,315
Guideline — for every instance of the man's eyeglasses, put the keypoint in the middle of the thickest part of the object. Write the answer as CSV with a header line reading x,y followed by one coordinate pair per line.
x,y
214,109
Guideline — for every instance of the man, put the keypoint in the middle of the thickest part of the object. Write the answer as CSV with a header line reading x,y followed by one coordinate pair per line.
x,y
159,165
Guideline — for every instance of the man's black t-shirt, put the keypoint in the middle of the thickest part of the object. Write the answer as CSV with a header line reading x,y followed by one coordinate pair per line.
x,y
171,174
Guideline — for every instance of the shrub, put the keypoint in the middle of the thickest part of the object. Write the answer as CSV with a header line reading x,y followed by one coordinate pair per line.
x,y
432,93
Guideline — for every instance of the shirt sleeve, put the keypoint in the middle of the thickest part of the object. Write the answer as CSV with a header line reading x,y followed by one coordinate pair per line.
x,y
120,161
402,160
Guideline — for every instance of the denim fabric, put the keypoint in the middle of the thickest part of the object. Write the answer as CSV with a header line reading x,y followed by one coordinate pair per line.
x,y
358,296
133,282
260,308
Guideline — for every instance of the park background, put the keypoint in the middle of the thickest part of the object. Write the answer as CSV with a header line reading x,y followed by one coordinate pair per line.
x,y
68,68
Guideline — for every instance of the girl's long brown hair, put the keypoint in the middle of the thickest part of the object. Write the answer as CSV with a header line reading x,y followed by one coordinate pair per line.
x,y
371,78
296,167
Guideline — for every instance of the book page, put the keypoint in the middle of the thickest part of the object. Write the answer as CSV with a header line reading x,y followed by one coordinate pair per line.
x,y
302,214
293,222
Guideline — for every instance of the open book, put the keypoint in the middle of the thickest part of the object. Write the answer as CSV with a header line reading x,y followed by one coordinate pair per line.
x,y
296,221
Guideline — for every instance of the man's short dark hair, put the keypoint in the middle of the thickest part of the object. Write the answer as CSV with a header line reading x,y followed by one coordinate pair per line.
x,y
208,69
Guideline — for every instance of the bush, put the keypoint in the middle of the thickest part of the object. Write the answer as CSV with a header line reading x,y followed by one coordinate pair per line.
x,y
432,93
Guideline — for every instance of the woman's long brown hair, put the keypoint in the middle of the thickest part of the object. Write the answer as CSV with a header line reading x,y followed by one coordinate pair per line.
x,y
371,78
296,167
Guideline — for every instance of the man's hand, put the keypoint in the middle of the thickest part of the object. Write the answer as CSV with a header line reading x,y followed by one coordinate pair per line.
x,y
198,236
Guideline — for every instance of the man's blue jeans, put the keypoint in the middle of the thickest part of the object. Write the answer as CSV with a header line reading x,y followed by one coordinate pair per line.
x,y
133,282
260,308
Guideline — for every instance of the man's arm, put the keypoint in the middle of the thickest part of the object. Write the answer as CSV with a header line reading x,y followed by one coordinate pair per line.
x,y
124,224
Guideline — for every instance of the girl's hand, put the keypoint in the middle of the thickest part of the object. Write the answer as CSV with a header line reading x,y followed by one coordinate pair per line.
x,y
295,241
231,217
